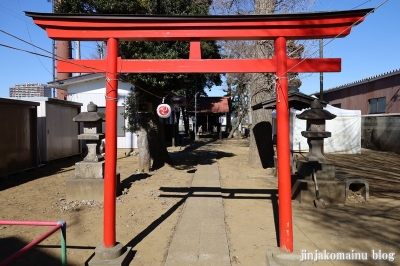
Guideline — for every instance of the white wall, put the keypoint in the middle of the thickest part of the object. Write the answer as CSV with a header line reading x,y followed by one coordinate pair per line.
x,y
345,130
94,90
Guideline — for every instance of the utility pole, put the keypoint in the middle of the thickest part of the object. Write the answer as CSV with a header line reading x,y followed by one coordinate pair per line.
x,y
78,51
196,137
100,49
321,74
53,53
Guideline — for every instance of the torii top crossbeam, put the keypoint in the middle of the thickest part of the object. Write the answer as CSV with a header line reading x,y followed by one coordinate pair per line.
x,y
277,27
91,27
315,25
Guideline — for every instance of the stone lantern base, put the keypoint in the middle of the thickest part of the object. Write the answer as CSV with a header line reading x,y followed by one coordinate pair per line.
x,y
323,170
332,191
88,188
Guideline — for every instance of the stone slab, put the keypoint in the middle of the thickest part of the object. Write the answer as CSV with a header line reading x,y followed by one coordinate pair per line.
x,y
332,191
275,257
98,136
89,170
109,253
87,188
123,260
200,237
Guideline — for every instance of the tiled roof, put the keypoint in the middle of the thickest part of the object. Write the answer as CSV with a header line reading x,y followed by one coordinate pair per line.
x,y
75,79
361,81
211,105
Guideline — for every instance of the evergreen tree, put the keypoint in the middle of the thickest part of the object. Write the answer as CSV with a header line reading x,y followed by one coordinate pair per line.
x,y
152,87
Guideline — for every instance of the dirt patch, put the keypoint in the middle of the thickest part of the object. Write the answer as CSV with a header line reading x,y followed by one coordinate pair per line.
x,y
147,216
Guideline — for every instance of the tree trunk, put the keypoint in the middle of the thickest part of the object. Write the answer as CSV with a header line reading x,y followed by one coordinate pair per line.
x,y
235,127
262,87
185,122
241,114
144,152
153,152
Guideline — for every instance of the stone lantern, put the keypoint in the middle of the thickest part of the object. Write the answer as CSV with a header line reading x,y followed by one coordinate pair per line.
x,y
315,134
88,183
335,188
92,127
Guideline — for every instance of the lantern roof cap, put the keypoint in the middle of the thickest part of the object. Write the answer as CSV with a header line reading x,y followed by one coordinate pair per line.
x,y
316,112
91,115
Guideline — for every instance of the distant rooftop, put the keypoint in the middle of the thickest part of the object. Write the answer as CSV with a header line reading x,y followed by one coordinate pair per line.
x,y
361,81
75,79
211,105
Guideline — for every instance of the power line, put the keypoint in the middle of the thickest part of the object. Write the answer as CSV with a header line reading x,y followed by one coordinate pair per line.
x,y
58,57
30,38
361,4
22,40
16,15
337,36
26,51
89,69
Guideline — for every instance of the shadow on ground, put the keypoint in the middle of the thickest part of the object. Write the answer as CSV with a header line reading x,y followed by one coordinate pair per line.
x,y
359,226
35,256
186,158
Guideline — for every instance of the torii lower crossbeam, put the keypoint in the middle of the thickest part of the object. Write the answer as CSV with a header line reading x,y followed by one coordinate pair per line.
x,y
201,65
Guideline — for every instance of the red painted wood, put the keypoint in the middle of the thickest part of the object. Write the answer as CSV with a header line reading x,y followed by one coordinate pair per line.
x,y
202,65
315,65
283,148
195,50
202,34
306,20
110,165
82,66
291,26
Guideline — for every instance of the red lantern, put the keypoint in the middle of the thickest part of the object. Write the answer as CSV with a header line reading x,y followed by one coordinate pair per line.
x,y
163,110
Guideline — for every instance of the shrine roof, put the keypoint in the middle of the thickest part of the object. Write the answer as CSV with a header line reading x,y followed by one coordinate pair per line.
x,y
297,100
218,105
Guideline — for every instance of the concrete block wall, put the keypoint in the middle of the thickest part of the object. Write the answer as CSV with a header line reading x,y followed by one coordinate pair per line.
x,y
381,132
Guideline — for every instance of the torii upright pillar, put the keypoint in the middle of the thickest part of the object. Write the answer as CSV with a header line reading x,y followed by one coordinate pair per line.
x,y
283,148
110,170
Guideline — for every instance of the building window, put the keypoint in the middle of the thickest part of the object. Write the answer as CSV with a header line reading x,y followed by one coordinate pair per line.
x,y
377,105
120,120
337,105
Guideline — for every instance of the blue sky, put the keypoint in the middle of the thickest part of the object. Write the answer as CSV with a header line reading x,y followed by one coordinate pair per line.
x,y
370,49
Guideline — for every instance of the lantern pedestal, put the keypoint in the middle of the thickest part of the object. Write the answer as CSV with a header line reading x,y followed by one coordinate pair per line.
x,y
78,188
333,191
323,170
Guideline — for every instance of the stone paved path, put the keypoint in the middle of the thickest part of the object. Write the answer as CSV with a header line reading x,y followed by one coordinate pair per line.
x,y
200,237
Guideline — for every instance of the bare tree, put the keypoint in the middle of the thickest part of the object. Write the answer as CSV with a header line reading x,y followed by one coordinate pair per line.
x,y
238,91
260,86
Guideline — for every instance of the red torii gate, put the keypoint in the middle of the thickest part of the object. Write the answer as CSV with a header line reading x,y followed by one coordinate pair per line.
x,y
277,27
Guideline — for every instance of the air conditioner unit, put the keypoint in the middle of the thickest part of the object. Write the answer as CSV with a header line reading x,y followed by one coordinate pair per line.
x,y
145,107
